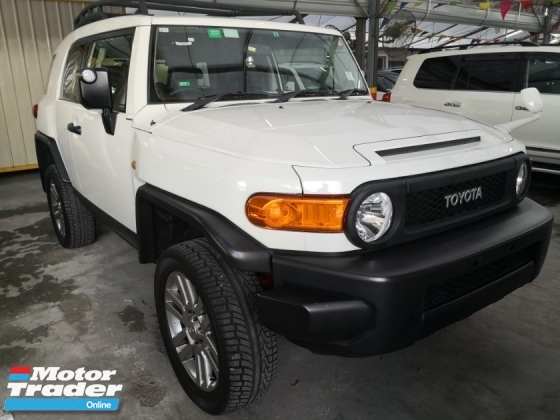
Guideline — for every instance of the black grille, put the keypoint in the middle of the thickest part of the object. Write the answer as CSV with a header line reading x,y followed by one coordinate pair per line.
x,y
430,206
424,147
455,288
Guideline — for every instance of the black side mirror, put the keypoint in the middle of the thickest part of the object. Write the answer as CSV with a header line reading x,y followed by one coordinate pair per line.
x,y
95,93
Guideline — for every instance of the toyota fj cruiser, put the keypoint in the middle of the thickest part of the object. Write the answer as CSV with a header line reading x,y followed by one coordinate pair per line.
x,y
350,227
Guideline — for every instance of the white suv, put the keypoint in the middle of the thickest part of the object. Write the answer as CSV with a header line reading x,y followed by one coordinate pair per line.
x,y
351,227
484,83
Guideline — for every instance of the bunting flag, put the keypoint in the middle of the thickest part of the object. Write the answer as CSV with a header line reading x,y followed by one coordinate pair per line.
x,y
418,3
384,22
484,5
440,38
426,32
525,4
391,5
478,41
443,4
403,5
454,3
505,6
417,32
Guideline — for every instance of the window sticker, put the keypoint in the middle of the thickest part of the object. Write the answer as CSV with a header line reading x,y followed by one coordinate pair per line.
x,y
349,76
182,44
214,33
230,33
190,39
252,49
164,29
276,34
184,84
340,42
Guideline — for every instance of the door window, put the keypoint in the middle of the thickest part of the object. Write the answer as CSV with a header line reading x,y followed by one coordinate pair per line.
x,y
543,73
69,85
486,73
114,54
437,73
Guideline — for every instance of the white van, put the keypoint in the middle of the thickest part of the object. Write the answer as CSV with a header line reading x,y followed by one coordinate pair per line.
x,y
484,83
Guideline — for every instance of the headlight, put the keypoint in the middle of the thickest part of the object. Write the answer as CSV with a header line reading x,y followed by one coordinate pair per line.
x,y
373,218
521,181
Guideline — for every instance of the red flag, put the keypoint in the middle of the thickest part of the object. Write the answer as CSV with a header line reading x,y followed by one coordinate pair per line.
x,y
504,8
525,4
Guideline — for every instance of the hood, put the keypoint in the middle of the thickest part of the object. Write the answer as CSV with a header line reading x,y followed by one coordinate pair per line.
x,y
315,133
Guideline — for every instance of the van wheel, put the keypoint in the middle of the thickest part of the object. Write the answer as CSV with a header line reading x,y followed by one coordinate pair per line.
x,y
223,357
73,223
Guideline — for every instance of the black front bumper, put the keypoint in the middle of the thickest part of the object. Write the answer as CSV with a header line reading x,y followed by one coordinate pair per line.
x,y
381,301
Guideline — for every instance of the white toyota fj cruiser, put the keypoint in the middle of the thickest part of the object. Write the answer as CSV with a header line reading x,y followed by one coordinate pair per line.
x,y
349,226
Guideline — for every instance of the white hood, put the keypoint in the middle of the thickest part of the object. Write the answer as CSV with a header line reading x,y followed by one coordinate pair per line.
x,y
321,133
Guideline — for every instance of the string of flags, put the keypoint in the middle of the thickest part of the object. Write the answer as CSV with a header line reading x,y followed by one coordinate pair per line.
x,y
505,5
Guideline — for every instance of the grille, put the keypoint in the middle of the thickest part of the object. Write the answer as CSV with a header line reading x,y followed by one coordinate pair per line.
x,y
424,147
425,207
455,288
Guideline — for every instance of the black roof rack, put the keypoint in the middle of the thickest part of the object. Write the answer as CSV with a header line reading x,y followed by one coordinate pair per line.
x,y
467,46
97,10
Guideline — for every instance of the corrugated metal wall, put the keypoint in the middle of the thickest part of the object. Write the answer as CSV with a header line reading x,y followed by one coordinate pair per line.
x,y
30,31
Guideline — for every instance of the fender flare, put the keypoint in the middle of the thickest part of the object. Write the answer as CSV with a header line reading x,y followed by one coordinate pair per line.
x,y
48,153
236,247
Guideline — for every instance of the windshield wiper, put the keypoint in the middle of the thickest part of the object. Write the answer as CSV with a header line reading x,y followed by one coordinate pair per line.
x,y
205,100
305,92
346,93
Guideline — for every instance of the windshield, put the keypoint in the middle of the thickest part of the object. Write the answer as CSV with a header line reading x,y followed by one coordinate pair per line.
x,y
194,62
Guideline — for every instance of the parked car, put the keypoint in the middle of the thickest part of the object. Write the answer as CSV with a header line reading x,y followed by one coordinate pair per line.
x,y
484,83
386,80
351,227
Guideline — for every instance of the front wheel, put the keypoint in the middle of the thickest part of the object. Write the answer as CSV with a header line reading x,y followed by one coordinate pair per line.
x,y
223,357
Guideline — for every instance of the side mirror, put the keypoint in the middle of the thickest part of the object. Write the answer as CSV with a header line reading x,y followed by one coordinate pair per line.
x,y
532,100
95,93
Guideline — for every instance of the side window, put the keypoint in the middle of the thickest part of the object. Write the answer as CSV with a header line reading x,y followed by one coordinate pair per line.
x,y
69,85
543,73
485,72
114,54
437,73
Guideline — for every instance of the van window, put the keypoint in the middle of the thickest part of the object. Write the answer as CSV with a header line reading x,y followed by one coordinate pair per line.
x,y
543,73
483,72
437,73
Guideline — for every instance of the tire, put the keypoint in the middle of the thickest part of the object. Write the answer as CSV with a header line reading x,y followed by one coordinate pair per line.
x,y
73,224
232,341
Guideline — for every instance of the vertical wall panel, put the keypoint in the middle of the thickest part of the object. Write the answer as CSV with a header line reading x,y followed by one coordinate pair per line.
x,y
30,32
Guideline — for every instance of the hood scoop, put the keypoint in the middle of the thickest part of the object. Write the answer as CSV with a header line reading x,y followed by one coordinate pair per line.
x,y
425,147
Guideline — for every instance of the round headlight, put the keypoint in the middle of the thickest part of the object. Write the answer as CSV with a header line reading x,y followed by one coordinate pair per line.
x,y
373,217
521,180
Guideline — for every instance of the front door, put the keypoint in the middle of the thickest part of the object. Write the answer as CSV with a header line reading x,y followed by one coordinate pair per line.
x,y
103,161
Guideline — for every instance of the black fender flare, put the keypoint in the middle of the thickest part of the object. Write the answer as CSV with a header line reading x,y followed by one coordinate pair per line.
x,y
236,247
47,154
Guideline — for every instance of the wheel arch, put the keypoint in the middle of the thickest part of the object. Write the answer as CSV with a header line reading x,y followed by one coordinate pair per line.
x,y
164,219
48,154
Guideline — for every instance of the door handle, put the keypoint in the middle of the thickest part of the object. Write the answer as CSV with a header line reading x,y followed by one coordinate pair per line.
x,y
521,108
76,129
453,104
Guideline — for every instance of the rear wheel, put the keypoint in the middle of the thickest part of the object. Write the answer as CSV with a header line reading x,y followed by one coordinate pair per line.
x,y
74,225
223,357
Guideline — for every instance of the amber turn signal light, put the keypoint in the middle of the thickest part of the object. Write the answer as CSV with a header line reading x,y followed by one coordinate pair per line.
x,y
309,214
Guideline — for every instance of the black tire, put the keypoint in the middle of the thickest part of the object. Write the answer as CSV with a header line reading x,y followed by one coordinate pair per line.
x,y
73,224
247,351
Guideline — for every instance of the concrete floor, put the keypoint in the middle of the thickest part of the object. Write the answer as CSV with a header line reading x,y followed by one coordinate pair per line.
x,y
93,308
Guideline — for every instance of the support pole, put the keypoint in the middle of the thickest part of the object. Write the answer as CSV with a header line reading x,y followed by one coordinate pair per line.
x,y
361,42
372,50
547,25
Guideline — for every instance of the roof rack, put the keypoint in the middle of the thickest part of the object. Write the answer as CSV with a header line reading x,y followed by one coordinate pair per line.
x,y
467,46
95,11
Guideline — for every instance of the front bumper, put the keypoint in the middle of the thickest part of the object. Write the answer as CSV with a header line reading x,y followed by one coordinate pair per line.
x,y
381,301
